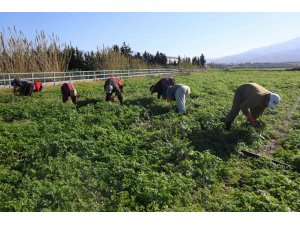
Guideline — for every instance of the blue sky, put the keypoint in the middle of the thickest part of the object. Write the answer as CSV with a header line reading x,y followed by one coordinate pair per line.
x,y
184,34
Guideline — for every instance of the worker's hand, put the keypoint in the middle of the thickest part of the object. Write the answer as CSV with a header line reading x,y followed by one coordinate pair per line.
x,y
260,125
112,99
251,120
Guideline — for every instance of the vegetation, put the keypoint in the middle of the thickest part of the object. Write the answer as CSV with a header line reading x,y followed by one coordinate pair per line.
x,y
144,156
45,54
20,55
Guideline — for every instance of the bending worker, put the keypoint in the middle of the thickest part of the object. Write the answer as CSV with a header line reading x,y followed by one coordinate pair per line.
x,y
161,86
113,85
38,86
23,87
68,90
178,93
252,99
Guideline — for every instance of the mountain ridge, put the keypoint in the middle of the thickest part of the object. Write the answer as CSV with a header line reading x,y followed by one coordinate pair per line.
x,y
288,51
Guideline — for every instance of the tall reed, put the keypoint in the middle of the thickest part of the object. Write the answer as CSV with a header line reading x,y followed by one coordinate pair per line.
x,y
109,59
20,55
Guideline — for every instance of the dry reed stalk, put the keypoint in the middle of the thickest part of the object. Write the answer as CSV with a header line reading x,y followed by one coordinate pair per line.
x,y
19,55
111,60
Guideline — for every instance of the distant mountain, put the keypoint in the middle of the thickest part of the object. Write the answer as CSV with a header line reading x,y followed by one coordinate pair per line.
x,y
277,53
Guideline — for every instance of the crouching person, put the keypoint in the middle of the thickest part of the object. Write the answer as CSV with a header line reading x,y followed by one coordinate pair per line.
x,y
179,93
161,86
252,99
111,86
68,90
38,86
22,87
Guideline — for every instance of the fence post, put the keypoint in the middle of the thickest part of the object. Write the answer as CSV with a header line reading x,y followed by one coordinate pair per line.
x,y
32,77
54,80
94,75
9,79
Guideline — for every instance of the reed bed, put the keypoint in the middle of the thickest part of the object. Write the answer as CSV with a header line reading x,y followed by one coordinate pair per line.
x,y
20,55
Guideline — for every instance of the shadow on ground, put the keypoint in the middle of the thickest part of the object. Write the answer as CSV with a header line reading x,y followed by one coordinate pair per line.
x,y
219,141
86,102
151,105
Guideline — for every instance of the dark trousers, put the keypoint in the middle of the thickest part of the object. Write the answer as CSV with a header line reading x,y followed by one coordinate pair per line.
x,y
27,89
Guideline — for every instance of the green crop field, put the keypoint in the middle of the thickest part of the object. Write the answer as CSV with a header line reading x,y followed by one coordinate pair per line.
x,y
144,156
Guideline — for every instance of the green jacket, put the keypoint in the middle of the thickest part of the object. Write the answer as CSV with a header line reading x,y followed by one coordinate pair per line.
x,y
253,96
249,98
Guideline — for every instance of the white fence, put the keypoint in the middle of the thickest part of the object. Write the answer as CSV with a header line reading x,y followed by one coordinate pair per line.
x,y
59,77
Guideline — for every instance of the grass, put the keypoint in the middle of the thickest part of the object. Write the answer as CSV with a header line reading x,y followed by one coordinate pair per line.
x,y
144,156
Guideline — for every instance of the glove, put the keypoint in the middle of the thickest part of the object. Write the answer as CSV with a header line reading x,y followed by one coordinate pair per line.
x,y
251,120
260,125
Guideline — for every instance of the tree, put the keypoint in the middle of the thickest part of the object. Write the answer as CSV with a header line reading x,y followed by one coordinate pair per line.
x,y
160,59
116,48
138,56
77,60
179,60
125,50
148,58
196,61
202,60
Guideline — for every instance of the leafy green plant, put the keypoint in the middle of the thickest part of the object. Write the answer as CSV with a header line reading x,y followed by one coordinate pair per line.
x,y
144,156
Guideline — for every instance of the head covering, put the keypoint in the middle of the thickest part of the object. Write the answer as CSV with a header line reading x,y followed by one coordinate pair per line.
x,y
274,100
73,93
171,81
108,89
16,82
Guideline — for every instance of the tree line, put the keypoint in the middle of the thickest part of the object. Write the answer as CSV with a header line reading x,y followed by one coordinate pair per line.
x,y
80,60
20,55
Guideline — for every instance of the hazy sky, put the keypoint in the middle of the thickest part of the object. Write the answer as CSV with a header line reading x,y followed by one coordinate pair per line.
x,y
184,34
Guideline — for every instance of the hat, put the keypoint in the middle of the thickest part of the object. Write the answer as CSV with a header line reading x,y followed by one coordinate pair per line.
x,y
108,89
274,100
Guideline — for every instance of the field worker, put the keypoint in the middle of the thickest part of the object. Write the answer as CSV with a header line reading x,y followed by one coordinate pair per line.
x,y
68,89
161,86
252,99
38,86
113,85
178,93
23,87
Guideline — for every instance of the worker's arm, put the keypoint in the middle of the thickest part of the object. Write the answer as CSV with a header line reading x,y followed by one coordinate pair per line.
x,y
16,89
249,103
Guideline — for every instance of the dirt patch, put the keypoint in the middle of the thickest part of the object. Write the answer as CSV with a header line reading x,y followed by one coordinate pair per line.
x,y
270,146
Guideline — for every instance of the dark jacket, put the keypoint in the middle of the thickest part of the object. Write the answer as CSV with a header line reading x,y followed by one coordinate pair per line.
x,y
161,86
117,89
23,87
66,89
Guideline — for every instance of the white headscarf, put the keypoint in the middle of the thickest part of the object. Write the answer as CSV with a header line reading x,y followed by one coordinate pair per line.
x,y
274,100
73,93
109,89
